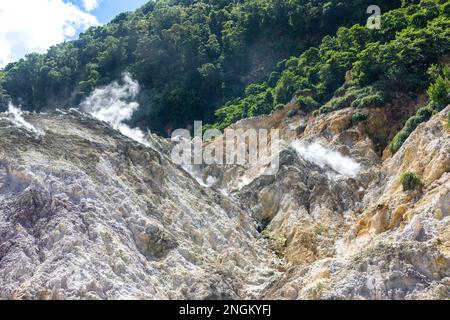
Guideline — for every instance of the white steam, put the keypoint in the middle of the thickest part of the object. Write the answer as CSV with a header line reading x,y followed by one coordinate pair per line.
x,y
196,173
327,159
114,104
15,115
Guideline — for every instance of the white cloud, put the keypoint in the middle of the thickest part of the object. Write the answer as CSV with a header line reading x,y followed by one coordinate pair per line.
x,y
90,5
34,25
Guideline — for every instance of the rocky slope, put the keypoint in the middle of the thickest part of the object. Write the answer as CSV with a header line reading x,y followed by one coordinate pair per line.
x,y
356,234
87,213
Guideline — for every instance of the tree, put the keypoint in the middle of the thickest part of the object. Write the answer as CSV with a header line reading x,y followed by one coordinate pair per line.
x,y
439,92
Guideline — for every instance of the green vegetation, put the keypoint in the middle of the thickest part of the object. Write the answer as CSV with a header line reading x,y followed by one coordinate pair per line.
x,y
356,97
307,103
3,93
359,67
189,57
422,115
359,117
411,181
279,106
292,113
301,128
438,93
222,61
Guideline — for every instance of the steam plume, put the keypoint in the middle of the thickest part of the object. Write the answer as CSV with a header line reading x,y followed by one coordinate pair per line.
x,y
114,104
327,159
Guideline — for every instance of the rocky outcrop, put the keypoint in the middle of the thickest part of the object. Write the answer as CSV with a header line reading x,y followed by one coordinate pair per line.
x,y
87,213
349,231
362,237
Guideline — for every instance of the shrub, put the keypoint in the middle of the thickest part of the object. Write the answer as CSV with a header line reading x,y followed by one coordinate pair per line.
x,y
398,141
368,101
273,78
406,3
434,72
316,113
279,106
359,116
439,92
448,119
446,8
292,113
307,103
301,128
304,92
334,104
422,115
326,109
410,181
356,97
419,19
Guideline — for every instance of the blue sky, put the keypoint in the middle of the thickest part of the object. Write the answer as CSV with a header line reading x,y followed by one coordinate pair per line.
x,y
28,26
108,9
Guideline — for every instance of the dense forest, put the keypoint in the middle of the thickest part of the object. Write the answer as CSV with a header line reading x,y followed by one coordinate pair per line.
x,y
221,60
408,54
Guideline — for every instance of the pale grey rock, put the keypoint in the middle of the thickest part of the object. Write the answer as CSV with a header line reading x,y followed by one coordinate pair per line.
x,y
86,213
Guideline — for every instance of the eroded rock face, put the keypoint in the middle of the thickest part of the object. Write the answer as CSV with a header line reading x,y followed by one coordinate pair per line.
x,y
352,236
87,213
361,237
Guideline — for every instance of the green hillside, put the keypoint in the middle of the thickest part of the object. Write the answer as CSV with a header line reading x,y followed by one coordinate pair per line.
x,y
407,54
192,57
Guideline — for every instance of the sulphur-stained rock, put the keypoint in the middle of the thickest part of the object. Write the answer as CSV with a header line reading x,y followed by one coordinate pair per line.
x,y
355,233
397,245
87,213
